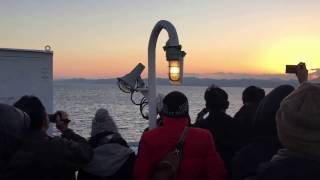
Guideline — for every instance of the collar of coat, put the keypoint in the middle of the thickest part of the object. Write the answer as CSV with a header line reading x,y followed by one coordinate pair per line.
x,y
180,121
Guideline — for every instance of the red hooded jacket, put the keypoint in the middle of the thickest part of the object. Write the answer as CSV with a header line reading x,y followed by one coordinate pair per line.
x,y
200,158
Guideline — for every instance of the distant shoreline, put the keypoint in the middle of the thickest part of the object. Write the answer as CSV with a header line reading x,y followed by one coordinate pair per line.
x,y
195,81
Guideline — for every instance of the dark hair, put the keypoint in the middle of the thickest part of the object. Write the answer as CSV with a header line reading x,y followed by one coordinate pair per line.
x,y
34,108
216,99
253,94
175,104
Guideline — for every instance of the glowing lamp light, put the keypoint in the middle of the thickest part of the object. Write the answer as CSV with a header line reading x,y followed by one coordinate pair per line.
x,y
174,70
175,57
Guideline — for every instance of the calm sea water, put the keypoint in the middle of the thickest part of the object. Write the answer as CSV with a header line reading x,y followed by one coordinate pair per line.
x,y
81,101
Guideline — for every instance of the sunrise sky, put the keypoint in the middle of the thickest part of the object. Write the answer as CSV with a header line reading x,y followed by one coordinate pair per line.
x,y
107,38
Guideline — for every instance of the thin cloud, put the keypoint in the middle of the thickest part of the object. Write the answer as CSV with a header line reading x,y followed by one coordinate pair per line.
x,y
226,75
315,74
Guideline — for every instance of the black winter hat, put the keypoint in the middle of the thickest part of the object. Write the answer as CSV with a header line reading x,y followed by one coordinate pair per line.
x,y
175,104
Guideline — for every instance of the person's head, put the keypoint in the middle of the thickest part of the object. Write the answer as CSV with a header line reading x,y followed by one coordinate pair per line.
x,y
13,125
216,99
298,120
102,122
36,111
175,105
265,120
252,94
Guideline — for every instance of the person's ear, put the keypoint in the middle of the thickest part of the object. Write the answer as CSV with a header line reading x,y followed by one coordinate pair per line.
x,y
227,104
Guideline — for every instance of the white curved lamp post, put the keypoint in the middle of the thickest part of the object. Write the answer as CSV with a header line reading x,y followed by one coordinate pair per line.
x,y
174,56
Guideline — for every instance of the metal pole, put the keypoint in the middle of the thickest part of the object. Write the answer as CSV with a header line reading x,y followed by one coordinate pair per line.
x,y
173,41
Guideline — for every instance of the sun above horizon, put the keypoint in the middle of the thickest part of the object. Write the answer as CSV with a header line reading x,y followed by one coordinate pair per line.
x,y
292,50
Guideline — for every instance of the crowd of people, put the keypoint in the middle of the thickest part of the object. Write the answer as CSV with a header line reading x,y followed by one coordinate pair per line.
x,y
273,136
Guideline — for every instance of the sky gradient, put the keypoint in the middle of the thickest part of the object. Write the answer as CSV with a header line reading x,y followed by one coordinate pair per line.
x,y
107,38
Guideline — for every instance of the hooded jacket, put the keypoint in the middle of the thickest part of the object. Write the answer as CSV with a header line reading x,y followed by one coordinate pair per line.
x,y
112,159
298,130
265,143
200,158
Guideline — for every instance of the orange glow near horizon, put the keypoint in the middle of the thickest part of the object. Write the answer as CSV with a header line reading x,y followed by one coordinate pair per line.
x,y
271,59
109,38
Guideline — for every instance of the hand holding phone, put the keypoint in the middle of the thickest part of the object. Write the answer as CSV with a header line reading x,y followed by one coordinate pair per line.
x,y
300,70
302,73
62,121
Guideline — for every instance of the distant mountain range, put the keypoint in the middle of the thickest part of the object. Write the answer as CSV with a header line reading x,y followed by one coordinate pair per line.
x,y
195,81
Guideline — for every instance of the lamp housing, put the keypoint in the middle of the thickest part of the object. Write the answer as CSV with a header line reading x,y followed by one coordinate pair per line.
x,y
175,58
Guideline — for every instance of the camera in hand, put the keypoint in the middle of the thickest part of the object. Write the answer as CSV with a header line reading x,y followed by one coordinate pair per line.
x,y
291,69
53,117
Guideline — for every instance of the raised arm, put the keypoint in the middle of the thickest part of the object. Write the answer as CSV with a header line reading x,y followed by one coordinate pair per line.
x,y
302,73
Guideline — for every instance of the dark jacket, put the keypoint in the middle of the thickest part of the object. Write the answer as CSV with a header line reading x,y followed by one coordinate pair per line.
x,y
266,143
43,158
200,159
247,160
244,119
291,167
221,127
113,159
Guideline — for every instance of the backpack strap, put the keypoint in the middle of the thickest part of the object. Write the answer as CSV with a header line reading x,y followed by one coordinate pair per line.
x,y
180,143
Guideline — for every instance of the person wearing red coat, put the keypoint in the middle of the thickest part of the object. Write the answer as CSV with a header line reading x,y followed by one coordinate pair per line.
x,y
200,158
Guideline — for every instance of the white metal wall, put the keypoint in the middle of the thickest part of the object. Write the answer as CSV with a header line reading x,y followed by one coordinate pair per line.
x,y
26,72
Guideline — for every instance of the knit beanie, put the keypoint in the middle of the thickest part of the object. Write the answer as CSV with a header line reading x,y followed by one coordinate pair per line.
x,y
13,121
101,122
13,125
298,120
175,104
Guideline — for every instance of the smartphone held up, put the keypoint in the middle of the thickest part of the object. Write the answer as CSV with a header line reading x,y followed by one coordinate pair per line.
x,y
291,69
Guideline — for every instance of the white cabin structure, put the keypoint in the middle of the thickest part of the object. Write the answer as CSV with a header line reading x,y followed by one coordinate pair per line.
x,y
26,72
